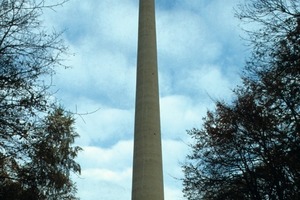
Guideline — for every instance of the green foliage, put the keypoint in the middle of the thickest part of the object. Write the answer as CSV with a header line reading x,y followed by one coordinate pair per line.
x,y
36,136
249,149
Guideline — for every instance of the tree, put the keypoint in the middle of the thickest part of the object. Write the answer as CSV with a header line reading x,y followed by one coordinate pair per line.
x,y
249,149
36,135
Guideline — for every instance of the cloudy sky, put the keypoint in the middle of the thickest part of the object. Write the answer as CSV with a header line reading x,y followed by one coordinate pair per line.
x,y
200,56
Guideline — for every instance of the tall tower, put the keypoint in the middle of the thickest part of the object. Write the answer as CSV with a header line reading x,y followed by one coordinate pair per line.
x,y
147,181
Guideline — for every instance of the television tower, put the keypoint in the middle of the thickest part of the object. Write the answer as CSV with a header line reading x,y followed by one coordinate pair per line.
x,y
147,180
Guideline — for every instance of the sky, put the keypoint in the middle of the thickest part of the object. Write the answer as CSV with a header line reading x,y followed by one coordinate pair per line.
x,y
200,58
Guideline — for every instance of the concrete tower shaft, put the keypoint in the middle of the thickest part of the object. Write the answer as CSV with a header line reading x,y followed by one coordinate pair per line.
x,y
147,181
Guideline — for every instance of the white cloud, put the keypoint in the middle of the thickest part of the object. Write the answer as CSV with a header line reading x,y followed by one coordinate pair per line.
x,y
209,80
118,156
106,172
174,153
118,22
91,189
179,31
105,126
99,74
179,113
173,193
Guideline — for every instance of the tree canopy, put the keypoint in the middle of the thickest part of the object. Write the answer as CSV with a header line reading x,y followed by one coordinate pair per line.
x,y
249,148
36,134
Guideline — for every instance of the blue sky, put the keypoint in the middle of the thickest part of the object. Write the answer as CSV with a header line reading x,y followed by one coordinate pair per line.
x,y
200,56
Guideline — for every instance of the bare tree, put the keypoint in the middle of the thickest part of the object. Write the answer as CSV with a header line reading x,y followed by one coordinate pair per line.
x,y
36,135
249,149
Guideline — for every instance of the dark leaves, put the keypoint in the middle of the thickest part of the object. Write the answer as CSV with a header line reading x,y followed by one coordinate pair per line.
x,y
249,149
36,136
